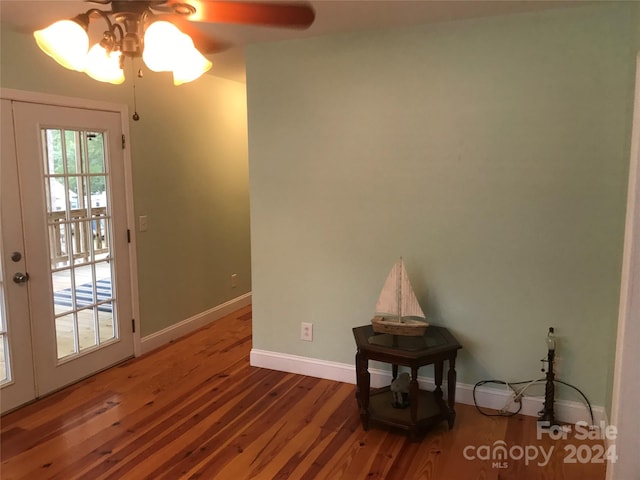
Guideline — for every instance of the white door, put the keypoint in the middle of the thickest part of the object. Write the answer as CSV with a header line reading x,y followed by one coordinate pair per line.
x,y
71,179
16,361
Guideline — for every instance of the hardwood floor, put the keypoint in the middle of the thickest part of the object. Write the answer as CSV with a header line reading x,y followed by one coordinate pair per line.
x,y
196,410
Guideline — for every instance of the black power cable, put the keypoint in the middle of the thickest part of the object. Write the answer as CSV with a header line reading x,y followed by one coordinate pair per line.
x,y
583,396
510,414
500,382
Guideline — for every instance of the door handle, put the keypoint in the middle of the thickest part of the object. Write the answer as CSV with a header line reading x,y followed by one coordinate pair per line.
x,y
21,278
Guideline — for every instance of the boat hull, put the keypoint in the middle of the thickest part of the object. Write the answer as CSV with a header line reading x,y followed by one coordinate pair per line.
x,y
407,328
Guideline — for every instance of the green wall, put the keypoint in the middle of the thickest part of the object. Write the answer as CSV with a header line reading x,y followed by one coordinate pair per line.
x,y
189,160
491,154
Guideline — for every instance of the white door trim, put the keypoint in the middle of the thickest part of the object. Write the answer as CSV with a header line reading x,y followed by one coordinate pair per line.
x,y
626,389
123,110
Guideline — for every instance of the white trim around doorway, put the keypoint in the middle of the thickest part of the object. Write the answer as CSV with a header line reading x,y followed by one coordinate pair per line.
x,y
626,389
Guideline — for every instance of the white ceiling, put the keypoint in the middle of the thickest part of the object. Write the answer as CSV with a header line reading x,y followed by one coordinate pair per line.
x,y
332,16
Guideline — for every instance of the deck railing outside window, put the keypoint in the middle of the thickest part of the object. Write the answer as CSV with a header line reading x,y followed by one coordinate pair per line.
x,y
87,231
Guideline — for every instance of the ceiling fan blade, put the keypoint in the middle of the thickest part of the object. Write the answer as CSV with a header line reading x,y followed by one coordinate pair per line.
x,y
272,14
205,43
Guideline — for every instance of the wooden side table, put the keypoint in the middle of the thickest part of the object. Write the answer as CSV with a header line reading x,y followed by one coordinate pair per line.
x,y
425,408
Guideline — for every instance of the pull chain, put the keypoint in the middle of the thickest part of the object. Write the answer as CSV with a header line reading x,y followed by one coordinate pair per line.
x,y
135,116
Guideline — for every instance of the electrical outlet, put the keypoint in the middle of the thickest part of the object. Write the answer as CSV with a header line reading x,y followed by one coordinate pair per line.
x,y
234,280
306,332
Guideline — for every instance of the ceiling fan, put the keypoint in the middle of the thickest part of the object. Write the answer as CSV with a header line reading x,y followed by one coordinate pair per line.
x,y
296,15
163,32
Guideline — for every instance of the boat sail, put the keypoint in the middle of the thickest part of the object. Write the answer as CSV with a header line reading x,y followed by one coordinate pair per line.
x,y
397,310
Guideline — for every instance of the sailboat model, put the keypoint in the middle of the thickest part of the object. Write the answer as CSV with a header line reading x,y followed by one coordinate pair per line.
x,y
398,311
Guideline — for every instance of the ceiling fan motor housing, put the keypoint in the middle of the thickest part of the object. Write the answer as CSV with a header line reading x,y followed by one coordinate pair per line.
x,y
137,7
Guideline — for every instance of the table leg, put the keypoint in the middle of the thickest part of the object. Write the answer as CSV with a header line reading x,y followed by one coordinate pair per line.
x,y
438,369
363,379
413,400
451,392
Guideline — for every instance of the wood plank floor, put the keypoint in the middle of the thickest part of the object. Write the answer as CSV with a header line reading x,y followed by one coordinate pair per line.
x,y
196,410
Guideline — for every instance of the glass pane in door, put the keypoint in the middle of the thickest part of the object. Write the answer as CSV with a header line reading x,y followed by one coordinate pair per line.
x,y
4,374
79,225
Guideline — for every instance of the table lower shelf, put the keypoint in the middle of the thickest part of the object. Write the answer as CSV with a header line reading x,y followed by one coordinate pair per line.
x,y
431,410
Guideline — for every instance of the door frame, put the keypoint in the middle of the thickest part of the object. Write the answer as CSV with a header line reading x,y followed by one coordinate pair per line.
x,y
625,391
123,111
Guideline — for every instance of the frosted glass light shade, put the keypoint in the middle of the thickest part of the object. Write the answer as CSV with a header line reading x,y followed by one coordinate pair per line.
x,y
191,67
103,66
163,46
167,49
66,42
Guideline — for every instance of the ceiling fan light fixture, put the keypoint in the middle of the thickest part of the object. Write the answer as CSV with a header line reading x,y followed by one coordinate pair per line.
x,y
66,41
104,65
135,29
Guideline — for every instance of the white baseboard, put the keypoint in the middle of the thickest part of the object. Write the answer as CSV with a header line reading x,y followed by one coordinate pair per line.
x,y
312,367
565,411
158,339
